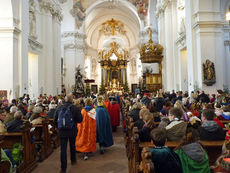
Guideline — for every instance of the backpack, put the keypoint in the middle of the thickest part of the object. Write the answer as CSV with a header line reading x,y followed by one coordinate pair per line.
x,y
17,153
65,119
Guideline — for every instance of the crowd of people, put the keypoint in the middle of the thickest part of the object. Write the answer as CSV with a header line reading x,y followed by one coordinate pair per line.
x,y
182,117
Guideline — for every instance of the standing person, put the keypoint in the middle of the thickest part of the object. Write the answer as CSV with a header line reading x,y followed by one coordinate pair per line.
x,y
114,114
104,132
86,136
66,118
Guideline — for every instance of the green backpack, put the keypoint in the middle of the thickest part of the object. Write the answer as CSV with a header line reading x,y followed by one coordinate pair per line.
x,y
17,153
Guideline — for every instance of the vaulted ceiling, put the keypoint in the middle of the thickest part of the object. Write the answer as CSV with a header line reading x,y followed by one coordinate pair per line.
x,y
100,12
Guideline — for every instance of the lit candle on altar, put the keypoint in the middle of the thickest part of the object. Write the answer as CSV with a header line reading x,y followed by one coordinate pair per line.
x,y
110,83
118,84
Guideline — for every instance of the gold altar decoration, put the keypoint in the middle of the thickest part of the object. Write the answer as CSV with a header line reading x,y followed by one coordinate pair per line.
x,y
110,27
152,53
113,66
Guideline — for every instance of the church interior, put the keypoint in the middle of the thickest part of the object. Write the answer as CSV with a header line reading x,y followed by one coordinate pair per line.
x,y
130,51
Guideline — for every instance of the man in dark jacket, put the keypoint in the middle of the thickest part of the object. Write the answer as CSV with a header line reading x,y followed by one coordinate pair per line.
x,y
68,134
210,130
16,124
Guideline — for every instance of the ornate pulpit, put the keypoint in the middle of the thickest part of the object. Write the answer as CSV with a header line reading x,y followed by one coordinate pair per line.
x,y
151,54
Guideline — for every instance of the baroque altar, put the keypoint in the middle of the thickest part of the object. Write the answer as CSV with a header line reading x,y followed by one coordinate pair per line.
x,y
113,67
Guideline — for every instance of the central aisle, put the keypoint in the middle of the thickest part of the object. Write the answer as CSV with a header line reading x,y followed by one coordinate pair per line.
x,y
113,161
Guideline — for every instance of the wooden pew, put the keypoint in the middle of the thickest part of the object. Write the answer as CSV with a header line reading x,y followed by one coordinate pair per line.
x,y
55,134
146,165
213,149
4,165
28,152
42,140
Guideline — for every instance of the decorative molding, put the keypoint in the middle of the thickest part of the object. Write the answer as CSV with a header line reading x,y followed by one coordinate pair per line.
x,y
73,34
49,7
35,45
181,41
161,7
14,30
74,46
208,24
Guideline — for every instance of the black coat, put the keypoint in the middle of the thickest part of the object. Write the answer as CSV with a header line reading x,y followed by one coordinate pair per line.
x,y
159,103
51,113
135,114
144,134
139,124
211,133
77,118
14,126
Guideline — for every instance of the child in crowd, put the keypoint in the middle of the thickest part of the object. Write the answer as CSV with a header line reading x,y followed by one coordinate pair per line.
x,y
144,133
193,157
140,123
177,127
163,158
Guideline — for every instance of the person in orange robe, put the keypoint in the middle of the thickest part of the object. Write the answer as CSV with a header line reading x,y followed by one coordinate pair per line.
x,y
86,136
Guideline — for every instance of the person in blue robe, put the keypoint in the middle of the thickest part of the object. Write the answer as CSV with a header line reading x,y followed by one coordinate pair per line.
x,y
104,130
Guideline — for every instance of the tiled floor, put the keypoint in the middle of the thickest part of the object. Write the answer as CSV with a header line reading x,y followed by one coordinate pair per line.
x,y
114,160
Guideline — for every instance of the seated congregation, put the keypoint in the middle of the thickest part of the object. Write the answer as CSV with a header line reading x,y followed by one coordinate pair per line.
x,y
186,135
30,129
166,131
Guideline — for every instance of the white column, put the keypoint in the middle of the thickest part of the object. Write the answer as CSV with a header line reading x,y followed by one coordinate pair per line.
x,y
191,49
47,60
169,47
209,43
74,53
23,47
161,38
57,17
226,50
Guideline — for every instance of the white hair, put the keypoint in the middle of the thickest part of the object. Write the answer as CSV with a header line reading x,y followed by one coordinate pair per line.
x,y
13,109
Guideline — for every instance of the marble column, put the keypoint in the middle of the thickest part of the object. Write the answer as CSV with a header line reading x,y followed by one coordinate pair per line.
x,y
47,58
57,18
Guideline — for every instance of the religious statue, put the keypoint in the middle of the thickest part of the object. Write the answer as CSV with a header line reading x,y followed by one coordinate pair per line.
x,y
79,86
32,19
209,73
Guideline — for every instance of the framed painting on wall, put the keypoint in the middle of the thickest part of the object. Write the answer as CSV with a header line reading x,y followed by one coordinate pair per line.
x,y
3,93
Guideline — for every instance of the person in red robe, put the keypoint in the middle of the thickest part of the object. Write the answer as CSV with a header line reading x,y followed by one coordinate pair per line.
x,y
86,136
107,103
114,114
